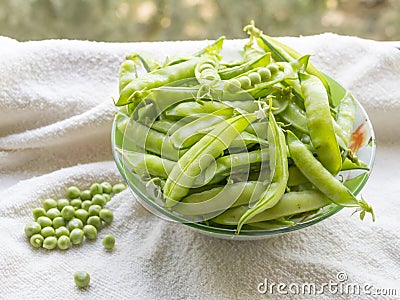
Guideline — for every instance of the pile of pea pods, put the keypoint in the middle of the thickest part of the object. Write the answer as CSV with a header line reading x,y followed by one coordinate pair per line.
x,y
253,143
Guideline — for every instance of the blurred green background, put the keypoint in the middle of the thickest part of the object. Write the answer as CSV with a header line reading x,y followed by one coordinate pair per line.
x,y
149,20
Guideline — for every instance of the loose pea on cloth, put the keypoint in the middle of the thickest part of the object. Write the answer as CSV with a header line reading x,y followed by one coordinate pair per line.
x,y
55,117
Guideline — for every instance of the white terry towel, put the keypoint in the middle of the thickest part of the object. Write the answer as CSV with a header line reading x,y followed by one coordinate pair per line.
x,y
56,112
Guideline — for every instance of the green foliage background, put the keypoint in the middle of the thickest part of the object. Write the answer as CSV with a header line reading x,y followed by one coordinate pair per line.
x,y
150,20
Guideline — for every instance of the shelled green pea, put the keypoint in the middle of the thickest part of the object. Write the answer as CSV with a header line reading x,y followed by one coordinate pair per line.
x,y
58,222
60,231
95,221
107,187
63,242
53,213
76,236
82,279
108,241
32,228
36,240
73,192
49,203
86,195
94,210
86,204
38,212
50,242
90,232
119,187
68,212
95,189
47,231
61,203
106,215
99,200
75,223
76,203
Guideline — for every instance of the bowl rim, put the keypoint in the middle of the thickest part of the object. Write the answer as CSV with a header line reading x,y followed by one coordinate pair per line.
x,y
245,232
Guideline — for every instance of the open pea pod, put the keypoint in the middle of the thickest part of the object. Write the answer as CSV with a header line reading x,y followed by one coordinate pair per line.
x,y
286,53
260,61
282,52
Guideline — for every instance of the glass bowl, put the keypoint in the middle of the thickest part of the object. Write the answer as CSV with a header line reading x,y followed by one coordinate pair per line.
x,y
355,180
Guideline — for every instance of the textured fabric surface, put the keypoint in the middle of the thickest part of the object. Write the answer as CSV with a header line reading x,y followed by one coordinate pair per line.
x,y
55,118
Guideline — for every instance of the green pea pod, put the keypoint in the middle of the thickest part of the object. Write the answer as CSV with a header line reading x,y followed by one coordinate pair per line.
x,y
260,129
251,53
241,141
319,123
260,61
279,171
290,204
341,137
127,73
201,155
349,165
296,177
149,166
346,116
241,162
269,225
190,133
337,92
168,126
122,122
219,199
247,139
167,96
245,105
215,47
296,117
323,180
288,74
134,91
148,62
140,136
195,108
282,52
145,164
